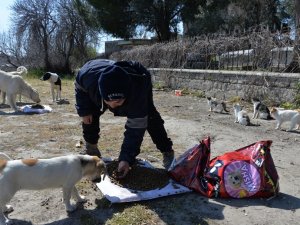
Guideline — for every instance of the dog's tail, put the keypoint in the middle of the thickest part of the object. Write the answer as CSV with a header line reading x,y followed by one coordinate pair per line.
x,y
4,156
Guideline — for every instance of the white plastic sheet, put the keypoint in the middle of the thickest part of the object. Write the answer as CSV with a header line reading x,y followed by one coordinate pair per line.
x,y
28,109
117,194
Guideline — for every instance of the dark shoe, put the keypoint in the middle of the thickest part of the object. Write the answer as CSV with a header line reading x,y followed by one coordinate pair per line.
x,y
168,158
91,149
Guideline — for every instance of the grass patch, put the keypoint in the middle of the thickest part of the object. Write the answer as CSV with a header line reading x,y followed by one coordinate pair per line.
x,y
135,215
159,86
38,72
194,93
235,99
295,104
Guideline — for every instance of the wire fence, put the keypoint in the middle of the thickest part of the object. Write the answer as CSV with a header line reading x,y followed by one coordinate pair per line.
x,y
252,51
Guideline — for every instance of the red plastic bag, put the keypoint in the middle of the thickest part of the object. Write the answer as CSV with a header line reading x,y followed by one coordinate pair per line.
x,y
189,168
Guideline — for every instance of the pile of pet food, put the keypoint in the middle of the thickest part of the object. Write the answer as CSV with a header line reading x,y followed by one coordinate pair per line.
x,y
139,178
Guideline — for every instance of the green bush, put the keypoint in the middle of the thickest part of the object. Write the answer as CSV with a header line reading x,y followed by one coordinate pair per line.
x,y
35,73
295,104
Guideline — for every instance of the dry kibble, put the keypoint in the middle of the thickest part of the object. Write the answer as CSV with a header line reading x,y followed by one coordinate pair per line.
x,y
139,178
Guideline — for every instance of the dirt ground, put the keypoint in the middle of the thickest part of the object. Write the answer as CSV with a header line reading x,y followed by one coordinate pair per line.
x,y
187,121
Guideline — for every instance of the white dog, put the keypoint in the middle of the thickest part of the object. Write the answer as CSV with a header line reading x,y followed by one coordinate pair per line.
x,y
241,116
36,174
55,83
21,71
13,85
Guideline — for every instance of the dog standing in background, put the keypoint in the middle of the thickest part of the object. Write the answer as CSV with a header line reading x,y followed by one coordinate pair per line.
x,y
21,71
55,83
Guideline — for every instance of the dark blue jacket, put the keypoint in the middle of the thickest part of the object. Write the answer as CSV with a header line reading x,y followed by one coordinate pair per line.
x,y
135,107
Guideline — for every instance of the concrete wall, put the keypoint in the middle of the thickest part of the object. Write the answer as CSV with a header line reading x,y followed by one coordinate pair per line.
x,y
277,87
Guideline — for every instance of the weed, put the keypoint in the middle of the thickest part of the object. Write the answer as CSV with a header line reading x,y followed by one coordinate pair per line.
x,y
195,93
135,215
287,105
159,86
235,99
295,104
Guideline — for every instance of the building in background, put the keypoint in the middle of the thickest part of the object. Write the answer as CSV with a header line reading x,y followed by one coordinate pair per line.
x,y
118,45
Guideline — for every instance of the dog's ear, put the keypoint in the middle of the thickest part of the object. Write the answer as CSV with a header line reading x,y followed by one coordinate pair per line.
x,y
2,164
43,78
102,167
46,76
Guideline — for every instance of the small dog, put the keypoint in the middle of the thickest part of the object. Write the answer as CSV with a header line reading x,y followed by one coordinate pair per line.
x,y
235,179
36,174
282,115
241,116
215,105
260,110
55,84
11,85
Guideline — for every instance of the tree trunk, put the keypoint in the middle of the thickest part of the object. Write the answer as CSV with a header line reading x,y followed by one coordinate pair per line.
x,y
294,65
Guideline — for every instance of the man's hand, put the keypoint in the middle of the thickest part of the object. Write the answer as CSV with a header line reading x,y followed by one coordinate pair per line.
x,y
123,169
87,119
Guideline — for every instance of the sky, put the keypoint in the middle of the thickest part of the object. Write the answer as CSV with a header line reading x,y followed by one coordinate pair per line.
x,y
5,14
5,20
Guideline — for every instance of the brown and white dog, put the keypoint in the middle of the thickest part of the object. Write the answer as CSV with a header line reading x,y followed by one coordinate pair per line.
x,y
36,174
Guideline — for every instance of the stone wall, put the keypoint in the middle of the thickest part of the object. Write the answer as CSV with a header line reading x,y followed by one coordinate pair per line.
x,y
275,87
